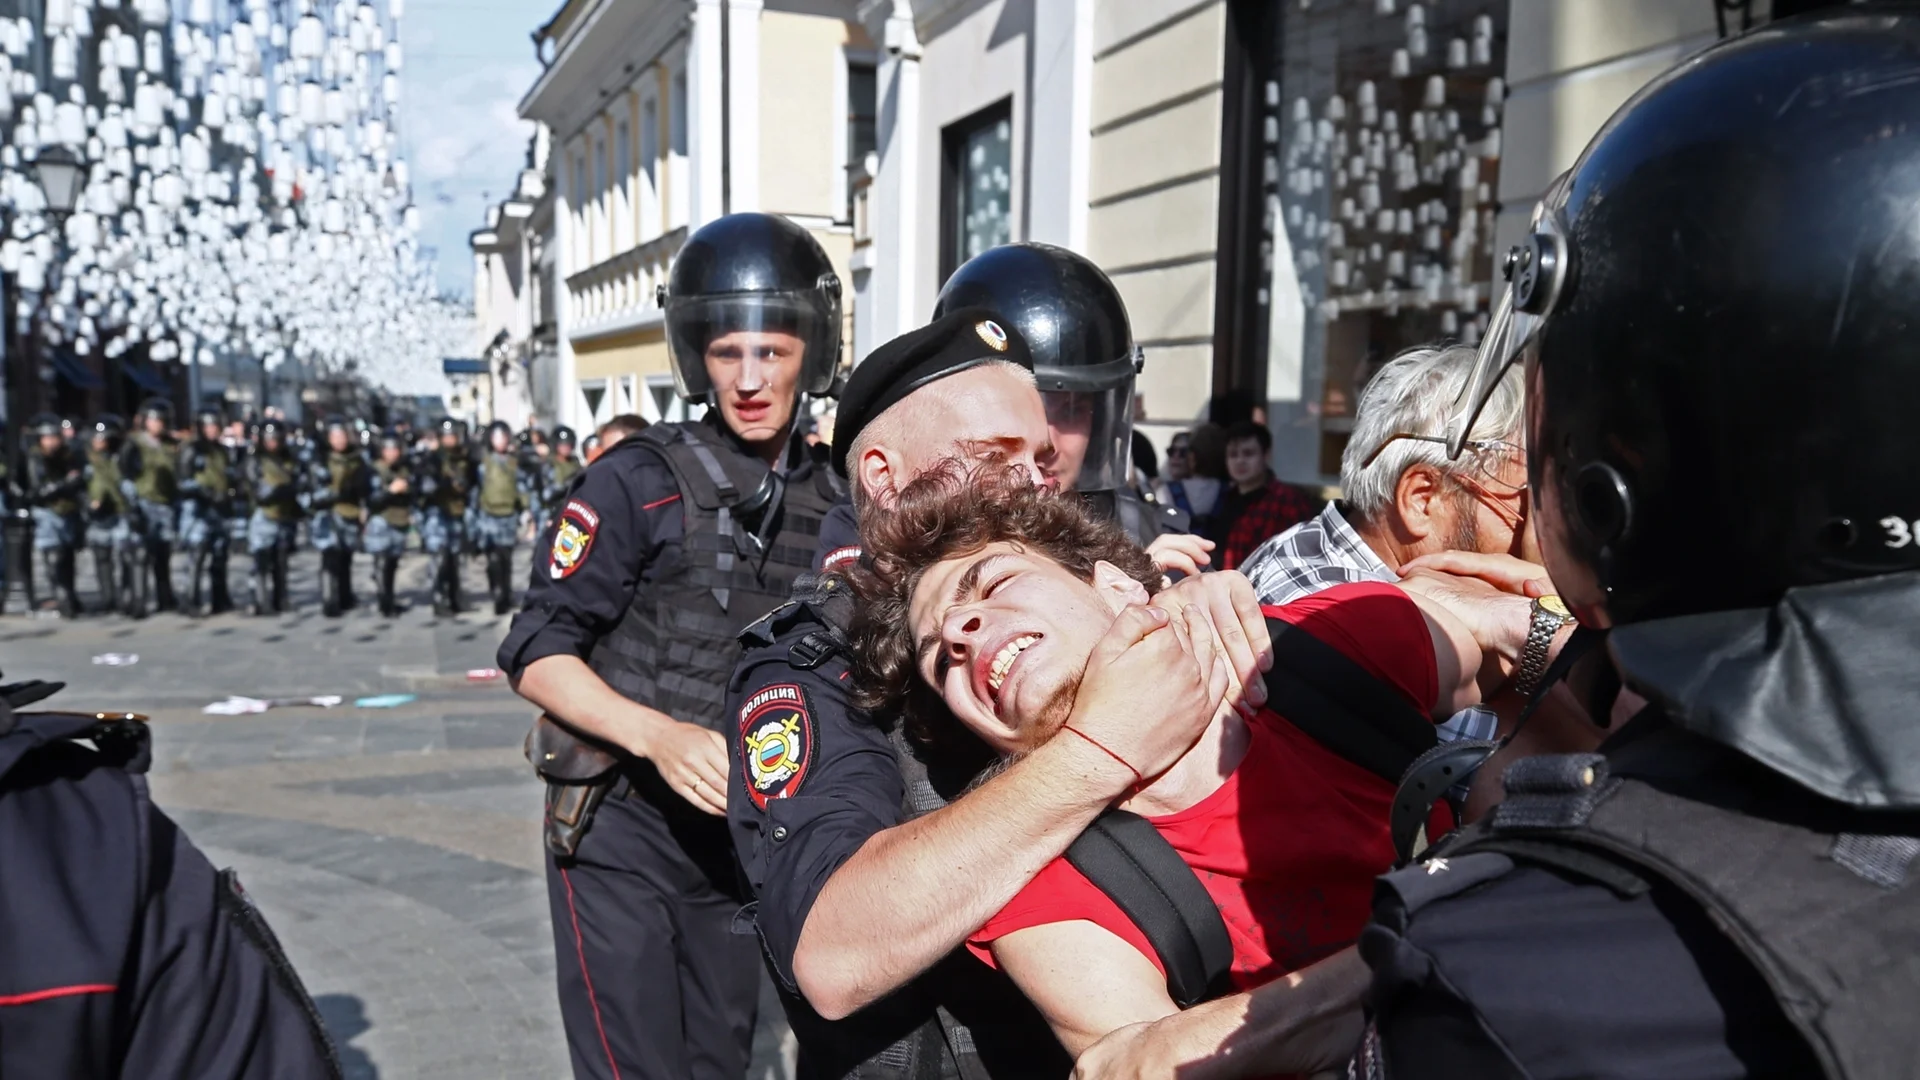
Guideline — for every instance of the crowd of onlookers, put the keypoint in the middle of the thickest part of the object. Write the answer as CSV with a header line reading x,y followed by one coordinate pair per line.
x,y
1220,477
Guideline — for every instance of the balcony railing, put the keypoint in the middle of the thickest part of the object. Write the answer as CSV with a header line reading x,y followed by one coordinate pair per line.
x,y
624,285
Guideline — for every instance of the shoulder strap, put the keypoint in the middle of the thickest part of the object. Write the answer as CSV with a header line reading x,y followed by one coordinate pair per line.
x,y
1127,858
1342,706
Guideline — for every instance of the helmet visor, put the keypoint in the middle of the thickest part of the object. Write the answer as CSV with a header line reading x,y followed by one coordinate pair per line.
x,y
705,333
1509,331
1092,435
1094,377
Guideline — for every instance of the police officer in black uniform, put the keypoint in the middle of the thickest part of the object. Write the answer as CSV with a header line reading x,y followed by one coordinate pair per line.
x,y
817,786
1085,361
661,552
1715,310
123,952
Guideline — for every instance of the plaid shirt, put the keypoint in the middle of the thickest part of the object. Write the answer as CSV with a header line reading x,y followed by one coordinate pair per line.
x,y
1272,510
1320,553
1316,554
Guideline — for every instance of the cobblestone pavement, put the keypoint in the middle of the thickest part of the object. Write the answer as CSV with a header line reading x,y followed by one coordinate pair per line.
x,y
395,851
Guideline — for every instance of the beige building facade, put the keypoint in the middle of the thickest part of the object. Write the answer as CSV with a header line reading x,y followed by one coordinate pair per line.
x,y
664,115
1285,194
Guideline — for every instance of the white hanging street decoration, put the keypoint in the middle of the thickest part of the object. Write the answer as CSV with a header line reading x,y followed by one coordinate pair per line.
x,y
244,195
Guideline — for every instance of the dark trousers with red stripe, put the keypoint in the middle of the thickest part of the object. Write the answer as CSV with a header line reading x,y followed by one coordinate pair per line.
x,y
654,984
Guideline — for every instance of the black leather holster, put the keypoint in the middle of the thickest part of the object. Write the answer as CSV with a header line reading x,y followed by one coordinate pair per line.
x,y
579,772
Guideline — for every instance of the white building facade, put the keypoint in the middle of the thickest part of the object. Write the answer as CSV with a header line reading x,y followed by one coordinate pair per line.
x,y
513,298
666,114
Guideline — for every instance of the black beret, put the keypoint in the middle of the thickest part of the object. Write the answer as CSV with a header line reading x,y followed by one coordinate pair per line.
x,y
956,341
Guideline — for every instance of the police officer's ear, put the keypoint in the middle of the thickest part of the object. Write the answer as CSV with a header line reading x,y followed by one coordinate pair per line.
x,y
1117,587
881,473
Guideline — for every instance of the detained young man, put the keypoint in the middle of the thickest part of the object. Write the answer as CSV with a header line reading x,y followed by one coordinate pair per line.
x,y
984,600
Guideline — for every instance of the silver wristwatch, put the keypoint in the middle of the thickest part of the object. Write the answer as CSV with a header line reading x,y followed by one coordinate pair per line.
x,y
1548,616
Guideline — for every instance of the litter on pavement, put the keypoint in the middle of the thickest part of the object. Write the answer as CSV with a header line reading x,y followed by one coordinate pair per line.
x,y
384,701
117,659
242,706
482,674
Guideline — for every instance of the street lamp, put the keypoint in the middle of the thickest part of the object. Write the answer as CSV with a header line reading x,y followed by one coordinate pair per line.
x,y
61,174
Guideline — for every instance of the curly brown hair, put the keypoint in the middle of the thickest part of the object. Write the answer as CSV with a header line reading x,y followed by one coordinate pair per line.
x,y
955,509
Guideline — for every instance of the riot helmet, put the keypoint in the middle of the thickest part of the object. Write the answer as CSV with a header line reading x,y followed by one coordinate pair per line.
x,y
447,428
270,428
563,436
43,425
390,439
1084,358
206,416
155,407
500,437
751,273
337,425
1714,313
110,429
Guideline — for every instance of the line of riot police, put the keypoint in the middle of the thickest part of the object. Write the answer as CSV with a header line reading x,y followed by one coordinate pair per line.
x,y
130,498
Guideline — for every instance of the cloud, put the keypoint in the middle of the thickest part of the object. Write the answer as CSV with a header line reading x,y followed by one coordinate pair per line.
x,y
466,144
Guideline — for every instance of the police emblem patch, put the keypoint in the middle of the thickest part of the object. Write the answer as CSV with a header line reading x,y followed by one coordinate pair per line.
x,y
776,742
991,333
572,537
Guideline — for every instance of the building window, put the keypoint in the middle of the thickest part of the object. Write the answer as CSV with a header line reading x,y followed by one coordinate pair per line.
x,y
593,394
649,202
677,203
623,186
862,115
1362,155
663,404
976,185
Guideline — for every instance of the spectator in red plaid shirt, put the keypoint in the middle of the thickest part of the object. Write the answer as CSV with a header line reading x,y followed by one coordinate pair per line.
x,y
1256,506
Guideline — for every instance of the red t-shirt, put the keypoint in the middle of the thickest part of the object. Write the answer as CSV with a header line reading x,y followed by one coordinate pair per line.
x,y
1290,844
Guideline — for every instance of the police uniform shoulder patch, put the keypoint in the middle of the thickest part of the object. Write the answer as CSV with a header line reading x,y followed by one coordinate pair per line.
x,y
840,557
572,538
776,742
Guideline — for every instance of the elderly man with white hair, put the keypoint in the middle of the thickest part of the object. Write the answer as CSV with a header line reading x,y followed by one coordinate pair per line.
x,y
1403,498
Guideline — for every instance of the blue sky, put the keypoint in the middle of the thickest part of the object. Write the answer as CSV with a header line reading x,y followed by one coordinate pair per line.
x,y
467,64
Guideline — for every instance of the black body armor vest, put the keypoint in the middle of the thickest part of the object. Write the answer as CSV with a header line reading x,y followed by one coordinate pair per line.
x,y
1818,896
743,546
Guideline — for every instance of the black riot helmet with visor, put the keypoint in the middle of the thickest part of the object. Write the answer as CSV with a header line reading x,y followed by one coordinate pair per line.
x,y
155,406
1715,313
1084,358
49,425
108,428
751,273
499,437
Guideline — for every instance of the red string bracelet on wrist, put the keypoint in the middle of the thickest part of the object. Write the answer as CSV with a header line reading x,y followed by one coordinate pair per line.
x,y
1137,778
